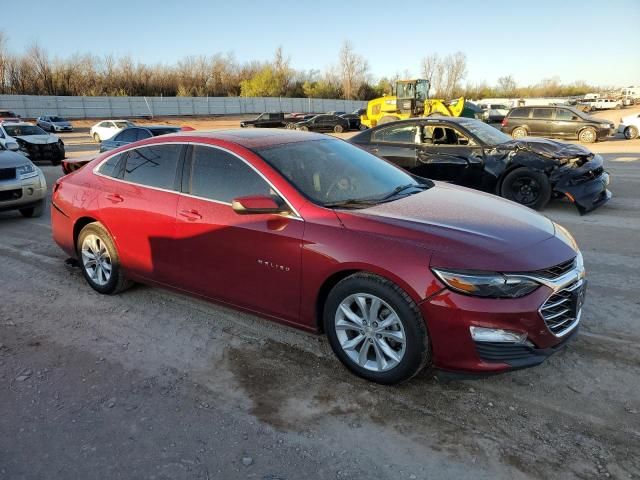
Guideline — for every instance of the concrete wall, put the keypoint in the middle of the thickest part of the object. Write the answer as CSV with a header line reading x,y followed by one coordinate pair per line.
x,y
31,106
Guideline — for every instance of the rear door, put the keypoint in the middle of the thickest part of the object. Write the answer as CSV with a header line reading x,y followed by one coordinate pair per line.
x,y
396,143
540,122
138,201
252,261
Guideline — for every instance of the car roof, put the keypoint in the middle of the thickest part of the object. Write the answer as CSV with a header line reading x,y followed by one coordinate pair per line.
x,y
254,138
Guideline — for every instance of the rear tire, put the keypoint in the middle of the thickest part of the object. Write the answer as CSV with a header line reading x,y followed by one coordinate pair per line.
x,y
33,212
338,129
630,133
519,132
394,344
99,260
588,135
526,187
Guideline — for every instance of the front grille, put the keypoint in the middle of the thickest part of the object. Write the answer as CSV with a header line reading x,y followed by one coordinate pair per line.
x,y
7,173
47,151
562,309
556,271
503,352
8,195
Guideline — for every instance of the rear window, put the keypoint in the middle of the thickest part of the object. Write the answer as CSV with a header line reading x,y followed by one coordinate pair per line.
x,y
542,113
519,112
153,166
113,166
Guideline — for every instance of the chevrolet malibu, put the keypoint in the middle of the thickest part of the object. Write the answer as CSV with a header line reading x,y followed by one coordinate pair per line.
x,y
399,272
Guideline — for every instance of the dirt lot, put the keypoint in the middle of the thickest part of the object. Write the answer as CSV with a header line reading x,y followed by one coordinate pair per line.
x,y
152,384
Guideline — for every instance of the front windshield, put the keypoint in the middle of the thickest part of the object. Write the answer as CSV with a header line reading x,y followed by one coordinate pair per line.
x,y
486,133
330,171
22,130
57,119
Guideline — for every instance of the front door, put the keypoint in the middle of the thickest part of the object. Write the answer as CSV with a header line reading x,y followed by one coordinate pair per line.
x,y
252,261
447,154
565,124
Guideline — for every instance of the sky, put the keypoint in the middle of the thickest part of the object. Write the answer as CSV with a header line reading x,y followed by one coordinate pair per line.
x,y
573,40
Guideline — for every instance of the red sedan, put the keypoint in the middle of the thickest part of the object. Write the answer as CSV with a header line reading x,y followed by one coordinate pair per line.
x,y
398,271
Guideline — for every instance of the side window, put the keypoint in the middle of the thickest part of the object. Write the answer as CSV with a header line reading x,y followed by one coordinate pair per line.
x,y
128,135
154,166
567,115
442,135
405,133
113,166
519,113
543,113
105,125
141,134
220,176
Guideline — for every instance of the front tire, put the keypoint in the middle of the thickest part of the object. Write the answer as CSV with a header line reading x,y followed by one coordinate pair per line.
x,y
519,132
588,135
96,138
630,133
526,187
376,329
99,260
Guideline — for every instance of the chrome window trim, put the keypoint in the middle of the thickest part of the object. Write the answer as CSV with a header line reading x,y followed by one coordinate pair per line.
x,y
295,215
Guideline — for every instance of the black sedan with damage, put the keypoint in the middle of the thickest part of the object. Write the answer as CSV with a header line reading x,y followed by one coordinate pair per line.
x,y
473,154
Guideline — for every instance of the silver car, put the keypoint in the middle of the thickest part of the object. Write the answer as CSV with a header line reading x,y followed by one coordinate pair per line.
x,y
53,124
22,184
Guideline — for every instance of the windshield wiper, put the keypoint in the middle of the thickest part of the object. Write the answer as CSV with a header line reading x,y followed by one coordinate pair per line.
x,y
402,188
351,202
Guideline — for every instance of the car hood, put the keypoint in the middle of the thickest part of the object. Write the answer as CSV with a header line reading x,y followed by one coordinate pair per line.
x,y
12,159
38,139
466,229
62,124
547,148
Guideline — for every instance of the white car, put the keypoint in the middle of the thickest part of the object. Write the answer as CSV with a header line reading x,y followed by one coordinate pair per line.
x,y
32,141
630,126
108,128
494,112
53,123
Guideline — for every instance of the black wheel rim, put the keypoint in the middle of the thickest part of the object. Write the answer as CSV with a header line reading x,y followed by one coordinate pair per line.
x,y
525,190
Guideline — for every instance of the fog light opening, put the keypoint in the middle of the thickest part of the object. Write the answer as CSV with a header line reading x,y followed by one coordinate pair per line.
x,y
482,334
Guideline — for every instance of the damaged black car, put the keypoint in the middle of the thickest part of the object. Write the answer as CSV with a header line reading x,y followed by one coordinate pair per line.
x,y
473,154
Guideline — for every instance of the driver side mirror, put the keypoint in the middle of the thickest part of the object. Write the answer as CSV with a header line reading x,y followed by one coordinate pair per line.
x,y
13,146
258,204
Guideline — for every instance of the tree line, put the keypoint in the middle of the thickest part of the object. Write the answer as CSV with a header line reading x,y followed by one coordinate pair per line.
x,y
35,72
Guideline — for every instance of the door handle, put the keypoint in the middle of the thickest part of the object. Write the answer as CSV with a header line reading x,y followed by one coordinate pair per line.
x,y
115,198
191,215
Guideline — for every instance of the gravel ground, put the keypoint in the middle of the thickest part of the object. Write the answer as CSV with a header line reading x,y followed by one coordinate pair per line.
x,y
153,384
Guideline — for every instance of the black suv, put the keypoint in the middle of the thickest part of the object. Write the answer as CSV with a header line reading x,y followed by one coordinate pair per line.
x,y
560,122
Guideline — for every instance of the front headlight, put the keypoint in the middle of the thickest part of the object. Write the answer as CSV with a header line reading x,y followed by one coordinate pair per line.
x,y
26,171
488,285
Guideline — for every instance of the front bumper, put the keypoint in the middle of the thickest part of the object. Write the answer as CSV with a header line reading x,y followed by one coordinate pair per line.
x,y
18,193
47,151
449,316
585,186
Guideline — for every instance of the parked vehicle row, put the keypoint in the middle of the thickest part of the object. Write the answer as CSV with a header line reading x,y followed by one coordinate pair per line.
x,y
319,234
329,122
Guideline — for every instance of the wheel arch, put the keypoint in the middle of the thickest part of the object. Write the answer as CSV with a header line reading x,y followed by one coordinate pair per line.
x,y
346,271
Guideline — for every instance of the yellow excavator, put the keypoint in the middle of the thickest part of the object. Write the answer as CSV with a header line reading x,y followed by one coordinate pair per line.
x,y
411,100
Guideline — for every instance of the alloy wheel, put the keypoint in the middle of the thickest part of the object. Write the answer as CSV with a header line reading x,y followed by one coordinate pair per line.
x,y
370,332
96,259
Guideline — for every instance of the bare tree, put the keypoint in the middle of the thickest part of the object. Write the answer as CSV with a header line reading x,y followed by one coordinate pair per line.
x,y
507,86
353,70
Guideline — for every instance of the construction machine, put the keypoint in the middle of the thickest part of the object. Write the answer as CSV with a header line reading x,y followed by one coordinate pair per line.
x,y
411,100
